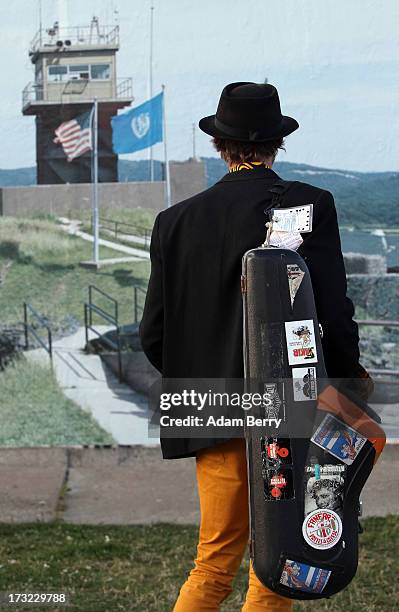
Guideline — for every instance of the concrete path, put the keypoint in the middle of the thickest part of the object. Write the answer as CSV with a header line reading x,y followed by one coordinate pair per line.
x,y
128,237
87,381
131,485
72,227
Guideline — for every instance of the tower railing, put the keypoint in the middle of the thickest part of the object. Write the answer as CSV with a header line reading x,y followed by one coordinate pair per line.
x,y
36,92
92,35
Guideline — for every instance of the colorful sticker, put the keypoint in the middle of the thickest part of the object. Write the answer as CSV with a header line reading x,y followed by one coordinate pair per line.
x,y
295,276
295,219
304,384
322,529
278,484
304,577
276,452
338,439
324,487
300,339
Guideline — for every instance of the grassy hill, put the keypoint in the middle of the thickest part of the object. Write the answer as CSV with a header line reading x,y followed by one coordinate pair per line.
x,y
362,198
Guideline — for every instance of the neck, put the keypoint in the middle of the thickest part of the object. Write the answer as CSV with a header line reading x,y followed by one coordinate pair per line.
x,y
267,163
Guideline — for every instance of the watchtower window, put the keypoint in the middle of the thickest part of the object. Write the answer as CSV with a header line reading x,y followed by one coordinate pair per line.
x,y
100,71
58,73
80,72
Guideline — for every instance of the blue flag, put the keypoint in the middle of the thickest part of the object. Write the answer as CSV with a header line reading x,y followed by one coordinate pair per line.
x,y
139,128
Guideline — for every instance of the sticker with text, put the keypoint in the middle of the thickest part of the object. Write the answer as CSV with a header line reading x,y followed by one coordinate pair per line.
x,y
304,577
324,487
295,219
338,439
278,484
322,529
300,339
304,384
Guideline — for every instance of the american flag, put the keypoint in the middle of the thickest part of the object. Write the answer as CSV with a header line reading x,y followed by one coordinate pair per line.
x,y
75,136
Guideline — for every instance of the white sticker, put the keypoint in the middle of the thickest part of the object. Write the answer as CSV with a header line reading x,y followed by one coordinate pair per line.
x,y
300,339
304,384
295,276
322,529
296,219
286,240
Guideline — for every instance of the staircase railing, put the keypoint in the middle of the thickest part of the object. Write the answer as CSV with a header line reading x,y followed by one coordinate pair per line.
x,y
91,308
29,329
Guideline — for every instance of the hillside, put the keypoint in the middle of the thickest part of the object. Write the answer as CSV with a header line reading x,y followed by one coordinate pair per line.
x,y
362,198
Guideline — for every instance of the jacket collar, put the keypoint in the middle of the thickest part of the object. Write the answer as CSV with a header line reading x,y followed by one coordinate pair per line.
x,y
259,172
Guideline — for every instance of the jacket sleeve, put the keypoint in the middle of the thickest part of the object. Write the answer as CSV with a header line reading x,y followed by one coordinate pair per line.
x,y
321,250
151,326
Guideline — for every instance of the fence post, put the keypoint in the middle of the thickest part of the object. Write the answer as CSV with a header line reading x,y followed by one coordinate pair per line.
x,y
26,326
136,314
120,366
86,329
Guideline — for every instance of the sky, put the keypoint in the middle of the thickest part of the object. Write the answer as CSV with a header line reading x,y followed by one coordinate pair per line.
x,y
335,64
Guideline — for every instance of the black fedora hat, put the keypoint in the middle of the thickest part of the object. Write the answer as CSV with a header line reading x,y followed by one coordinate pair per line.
x,y
248,112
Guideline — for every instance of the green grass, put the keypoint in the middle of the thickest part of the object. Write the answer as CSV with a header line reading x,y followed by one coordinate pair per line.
x,y
35,412
40,264
141,568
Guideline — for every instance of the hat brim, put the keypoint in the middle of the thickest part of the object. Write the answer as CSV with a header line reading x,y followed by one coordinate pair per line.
x,y
285,127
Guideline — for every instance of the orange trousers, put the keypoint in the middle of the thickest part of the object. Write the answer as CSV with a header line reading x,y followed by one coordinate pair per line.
x,y
223,535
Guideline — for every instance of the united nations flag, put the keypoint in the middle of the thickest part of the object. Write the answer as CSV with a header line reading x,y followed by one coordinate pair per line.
x,y
139,128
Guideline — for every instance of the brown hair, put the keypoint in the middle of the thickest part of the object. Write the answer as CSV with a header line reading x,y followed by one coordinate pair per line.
x,y
234,151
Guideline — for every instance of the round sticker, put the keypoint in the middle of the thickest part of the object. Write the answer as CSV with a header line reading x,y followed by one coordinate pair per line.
x,y
322,528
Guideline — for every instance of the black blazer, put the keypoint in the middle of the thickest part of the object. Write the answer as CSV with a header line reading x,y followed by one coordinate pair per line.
x,y
192,320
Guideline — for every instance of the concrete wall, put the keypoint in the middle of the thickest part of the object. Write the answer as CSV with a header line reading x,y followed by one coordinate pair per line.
x,y
187,178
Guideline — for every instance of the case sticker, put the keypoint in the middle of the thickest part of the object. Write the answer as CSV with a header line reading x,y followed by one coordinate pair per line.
x,y
300,339
304,577
286,240
295,276
338,439
276,452
278,484
304,384
277,469
274,404
322,529
324,487
295,219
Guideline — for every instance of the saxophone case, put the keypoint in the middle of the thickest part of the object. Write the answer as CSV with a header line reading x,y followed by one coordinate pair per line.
x,y
307,473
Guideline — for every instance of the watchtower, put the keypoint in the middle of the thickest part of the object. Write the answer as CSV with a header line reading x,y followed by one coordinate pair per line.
x,y
73,65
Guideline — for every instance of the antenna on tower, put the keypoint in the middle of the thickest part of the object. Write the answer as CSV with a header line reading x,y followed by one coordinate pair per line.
x,y
115,13
63,14
40,21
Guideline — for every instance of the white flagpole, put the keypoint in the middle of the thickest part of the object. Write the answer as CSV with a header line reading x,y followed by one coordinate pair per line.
x,y
165,149
95,183
151,84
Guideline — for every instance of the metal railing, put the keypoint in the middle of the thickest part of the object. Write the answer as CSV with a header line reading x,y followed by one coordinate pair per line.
x,y
136,305
93,34
143,233
29,329
82,88
381,323
124,87
113,318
